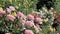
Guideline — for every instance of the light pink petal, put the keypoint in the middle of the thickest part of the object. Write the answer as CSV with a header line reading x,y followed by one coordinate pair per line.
x,y
29,32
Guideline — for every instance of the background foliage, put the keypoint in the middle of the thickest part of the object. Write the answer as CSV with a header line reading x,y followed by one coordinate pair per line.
x,y
26,6
57,4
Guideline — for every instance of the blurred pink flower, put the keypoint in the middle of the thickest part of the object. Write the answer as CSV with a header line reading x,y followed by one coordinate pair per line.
x,y
23,22
19,14
7,33
11,8
37,28
29,32
30,17
2,12
30,23
8,10
24,17
38,20
10,17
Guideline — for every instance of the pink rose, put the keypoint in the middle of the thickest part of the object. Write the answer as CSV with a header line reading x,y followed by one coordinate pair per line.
x,y
2,12
24,17
23,22
20,15
38,20
11,8
10,17
29,32
30,23
8,10
30,17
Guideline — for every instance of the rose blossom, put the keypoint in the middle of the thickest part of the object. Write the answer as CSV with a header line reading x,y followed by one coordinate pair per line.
x,y
10,17
23,22
29,23
2,12
20,15
38,20
29,32
11,8
8,10
30,17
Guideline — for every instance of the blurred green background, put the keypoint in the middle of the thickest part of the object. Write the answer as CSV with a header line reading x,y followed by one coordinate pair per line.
x,y
26,6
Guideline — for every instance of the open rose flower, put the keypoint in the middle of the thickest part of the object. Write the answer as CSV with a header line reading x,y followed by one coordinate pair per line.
x,y
2,12
8,10
30,23
38,20
23,22
24,17
11,8
29,32
30,17
10,17
20,15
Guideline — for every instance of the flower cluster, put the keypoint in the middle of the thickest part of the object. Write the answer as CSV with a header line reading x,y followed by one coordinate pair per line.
x,y
18,18
28,24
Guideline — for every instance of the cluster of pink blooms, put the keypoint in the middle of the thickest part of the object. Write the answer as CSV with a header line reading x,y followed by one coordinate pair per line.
x,y
30,23
30,19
